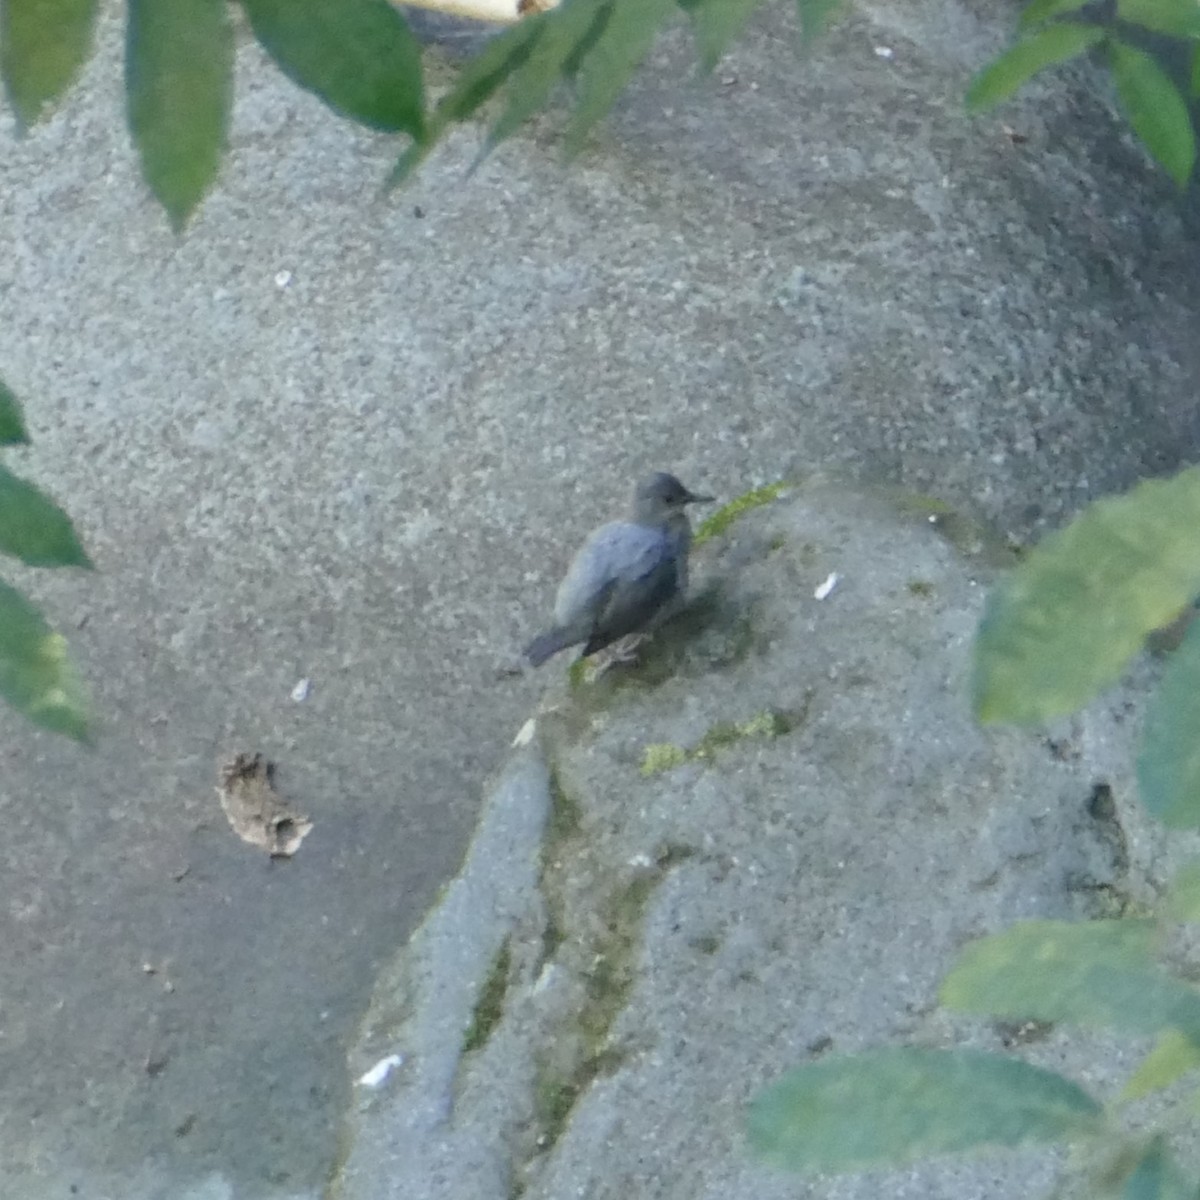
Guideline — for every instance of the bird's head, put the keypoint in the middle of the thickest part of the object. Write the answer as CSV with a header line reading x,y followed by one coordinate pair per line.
x,y
662,495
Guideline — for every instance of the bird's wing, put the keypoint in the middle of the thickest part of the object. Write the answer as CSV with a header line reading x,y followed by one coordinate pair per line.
x,y
621,577
633,603
614,557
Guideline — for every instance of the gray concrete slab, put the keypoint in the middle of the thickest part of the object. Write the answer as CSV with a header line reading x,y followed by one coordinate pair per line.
x,y
348,438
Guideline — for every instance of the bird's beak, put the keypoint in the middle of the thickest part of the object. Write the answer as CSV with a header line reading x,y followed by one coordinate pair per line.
x,y
692,498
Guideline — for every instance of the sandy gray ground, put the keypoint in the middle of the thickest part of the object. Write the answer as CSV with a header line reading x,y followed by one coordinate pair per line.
x,y
339,437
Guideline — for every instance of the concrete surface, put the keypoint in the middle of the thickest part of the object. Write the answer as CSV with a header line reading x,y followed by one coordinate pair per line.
x,y
335,436
763,845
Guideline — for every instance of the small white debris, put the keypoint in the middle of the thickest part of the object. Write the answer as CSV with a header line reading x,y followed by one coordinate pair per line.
x,y
547,976
641,862
525,733
885,52
831,581
380,1071
301,690
282,278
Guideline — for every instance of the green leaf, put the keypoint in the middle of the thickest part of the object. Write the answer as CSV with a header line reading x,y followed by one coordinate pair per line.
x,y
1049,46
1156,1176
479,81
1183,899
36,677
1041,11
43,45
815,17
573,24
606,68
179,84
1046,944
35,529
488,70
1196,71
1065,623
715,23
12,424
1158,113
357,55
1174,1054
1168,765
1175,18
891,1106
1090,973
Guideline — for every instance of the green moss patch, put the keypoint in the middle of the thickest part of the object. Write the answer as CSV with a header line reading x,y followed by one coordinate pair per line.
x,y
770,723
584,1053
725,516
489,1008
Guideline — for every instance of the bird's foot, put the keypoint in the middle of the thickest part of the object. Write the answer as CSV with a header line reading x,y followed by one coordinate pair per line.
x,y
623,650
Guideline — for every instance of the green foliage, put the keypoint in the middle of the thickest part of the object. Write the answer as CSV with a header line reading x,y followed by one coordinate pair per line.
x,y
361,59
1183,899
715,23
890,1106
1168,767
1070,617
1041,11
1060,627
357,55
893,1105
1171,17
1156,109
35,676
477,83
594,44
567,33
1174,1054
1155,1176
179,88
1048,47
34,529
12,426
1097,973
1158,113
815,17
43,45
610,61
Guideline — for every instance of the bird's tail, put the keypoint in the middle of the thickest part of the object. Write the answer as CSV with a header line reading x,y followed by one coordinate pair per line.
x,y
547,644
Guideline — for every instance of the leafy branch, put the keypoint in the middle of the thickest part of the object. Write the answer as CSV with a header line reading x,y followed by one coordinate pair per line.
x,y
1159,109
359,56
35,674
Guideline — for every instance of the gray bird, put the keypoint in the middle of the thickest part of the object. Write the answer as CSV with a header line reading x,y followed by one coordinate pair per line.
x,y
625,575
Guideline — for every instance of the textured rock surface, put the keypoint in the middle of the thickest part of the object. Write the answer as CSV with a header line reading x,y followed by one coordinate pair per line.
x,y
352,439
634,947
